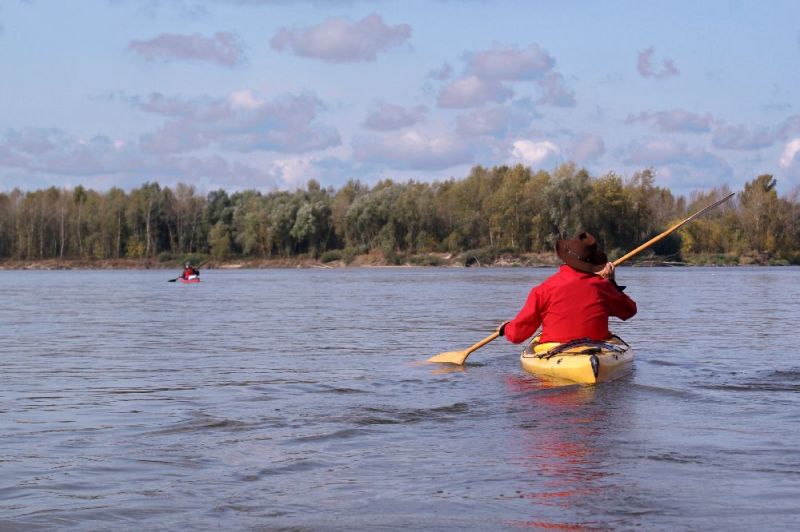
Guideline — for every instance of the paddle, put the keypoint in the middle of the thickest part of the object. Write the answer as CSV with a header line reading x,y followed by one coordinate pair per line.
x,y
459,357
670,231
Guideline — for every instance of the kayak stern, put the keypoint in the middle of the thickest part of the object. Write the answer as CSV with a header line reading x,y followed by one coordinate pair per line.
x,y
580,361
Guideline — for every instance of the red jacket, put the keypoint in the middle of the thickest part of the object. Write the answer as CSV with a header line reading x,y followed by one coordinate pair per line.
x,y
570,305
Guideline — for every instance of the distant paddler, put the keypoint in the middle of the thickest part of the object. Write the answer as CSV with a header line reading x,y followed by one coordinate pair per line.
x,y
190,274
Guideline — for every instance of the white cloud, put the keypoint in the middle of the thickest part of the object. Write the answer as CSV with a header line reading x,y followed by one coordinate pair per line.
x,y
682,163
202,109
660,151
34,141
789,157
644,65
486,121
497,121
587,148
741,137
789,127
223,48
386,116
555,93
510,63
217,171
536,154
294,172
174,137
244,99
241,122
675,121
338,40
54,151
106,162
413,150
473,91
442,73
488,74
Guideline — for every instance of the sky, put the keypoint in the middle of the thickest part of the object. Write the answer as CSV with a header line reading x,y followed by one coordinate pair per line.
x,y
268,94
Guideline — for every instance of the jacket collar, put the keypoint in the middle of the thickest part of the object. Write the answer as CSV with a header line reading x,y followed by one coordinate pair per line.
x,y
568,270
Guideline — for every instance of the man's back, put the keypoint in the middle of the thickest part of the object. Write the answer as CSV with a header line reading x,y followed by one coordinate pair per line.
x,y
579,304
569,305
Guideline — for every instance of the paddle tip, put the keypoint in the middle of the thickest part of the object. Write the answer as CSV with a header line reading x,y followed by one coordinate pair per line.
x,y
450,357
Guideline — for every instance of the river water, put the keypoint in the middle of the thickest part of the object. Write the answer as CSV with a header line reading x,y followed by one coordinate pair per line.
x,y
297,399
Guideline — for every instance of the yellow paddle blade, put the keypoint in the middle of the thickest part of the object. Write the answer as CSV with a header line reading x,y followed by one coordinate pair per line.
x,y
450,357
458,357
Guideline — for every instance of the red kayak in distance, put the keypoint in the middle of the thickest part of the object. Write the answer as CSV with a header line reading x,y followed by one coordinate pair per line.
x,y
191,280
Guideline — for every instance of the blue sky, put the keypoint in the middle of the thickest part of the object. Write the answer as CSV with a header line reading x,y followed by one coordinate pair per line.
x,y
267,94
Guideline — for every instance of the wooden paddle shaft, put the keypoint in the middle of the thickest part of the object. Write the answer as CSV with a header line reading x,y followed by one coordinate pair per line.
x,y
483,342
669,231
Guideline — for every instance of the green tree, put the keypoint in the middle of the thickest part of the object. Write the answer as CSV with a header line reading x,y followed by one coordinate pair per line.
x,y
219,240
282,216
312,226
567,195
613,219
114,222
251,224
79,198
371,222
509,209
500,207
759,216
464,210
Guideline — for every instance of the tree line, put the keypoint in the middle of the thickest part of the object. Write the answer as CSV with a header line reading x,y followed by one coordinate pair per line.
x,y
504,209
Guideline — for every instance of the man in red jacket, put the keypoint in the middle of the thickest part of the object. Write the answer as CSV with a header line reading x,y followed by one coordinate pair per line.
x,y
189,272
575,302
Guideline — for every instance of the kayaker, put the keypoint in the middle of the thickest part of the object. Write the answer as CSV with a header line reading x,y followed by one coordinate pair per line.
x,y
576,301
189,272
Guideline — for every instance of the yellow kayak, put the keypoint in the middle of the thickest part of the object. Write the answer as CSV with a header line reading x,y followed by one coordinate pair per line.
x,y
582,361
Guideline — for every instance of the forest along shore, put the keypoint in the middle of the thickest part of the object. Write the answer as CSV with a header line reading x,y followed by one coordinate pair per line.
x,y
371,260
494,217
478,258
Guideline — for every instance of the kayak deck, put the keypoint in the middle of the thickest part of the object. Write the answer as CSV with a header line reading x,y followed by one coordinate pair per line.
x,y
191,280
580,361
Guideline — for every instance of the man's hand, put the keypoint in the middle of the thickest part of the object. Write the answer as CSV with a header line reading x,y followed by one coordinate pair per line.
x,y
501,329
607,272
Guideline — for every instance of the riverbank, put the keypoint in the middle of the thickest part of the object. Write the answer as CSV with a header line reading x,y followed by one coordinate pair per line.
x,y
373,260
359,261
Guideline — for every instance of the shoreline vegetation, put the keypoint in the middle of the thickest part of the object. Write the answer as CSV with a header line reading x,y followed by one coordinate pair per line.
x,y
479,259
500,216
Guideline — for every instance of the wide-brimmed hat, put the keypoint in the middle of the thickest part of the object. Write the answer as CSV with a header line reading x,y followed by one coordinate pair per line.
x,y
581,253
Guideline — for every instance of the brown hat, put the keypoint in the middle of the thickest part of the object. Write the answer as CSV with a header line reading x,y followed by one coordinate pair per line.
x,y
581,253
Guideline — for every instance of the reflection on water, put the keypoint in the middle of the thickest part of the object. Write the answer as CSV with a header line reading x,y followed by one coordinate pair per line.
x,y
300,399
560,438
